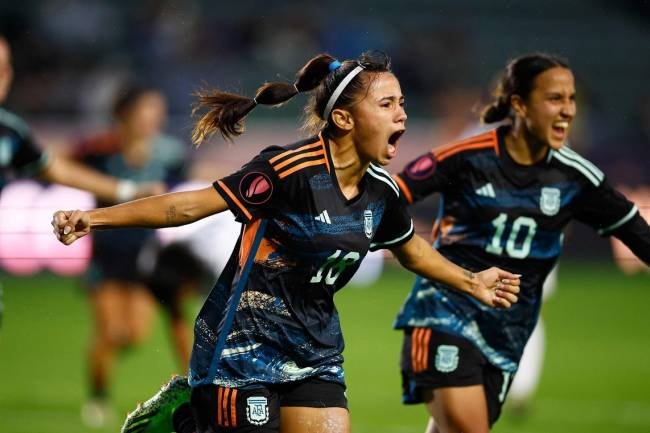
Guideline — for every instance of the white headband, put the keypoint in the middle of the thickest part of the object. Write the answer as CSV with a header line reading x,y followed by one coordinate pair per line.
x,y
339,89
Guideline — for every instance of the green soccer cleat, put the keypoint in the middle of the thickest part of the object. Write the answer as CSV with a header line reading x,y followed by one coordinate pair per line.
x,y
155,414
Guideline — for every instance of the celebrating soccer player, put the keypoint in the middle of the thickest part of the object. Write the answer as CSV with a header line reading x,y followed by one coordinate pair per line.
x,y
507,195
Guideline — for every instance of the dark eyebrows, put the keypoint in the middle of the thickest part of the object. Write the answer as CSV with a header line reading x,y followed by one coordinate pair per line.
x,y
392,98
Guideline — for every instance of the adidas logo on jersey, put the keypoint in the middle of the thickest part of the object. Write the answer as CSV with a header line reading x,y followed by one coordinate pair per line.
x,y
323,217
486,190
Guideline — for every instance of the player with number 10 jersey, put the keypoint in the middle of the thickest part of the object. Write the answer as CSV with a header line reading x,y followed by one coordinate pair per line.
x,y
495,211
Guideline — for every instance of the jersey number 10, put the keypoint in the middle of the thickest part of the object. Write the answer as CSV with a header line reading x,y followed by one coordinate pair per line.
x,y
512,249
335,265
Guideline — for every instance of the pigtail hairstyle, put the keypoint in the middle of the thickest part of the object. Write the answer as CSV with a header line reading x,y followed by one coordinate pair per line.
x,y
518,79
226,111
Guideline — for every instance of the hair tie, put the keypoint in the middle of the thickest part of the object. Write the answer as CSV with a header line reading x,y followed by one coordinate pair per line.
x,y
334,65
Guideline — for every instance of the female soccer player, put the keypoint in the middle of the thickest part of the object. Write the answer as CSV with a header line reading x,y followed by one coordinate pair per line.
x,y
507,195
267,354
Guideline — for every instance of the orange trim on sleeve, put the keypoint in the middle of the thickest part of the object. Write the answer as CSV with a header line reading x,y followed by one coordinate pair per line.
x,y
250,230
297,157
404,188
301,166
289,152
234,198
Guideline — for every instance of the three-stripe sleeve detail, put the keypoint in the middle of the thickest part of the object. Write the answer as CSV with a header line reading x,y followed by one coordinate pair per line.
x,y
568,157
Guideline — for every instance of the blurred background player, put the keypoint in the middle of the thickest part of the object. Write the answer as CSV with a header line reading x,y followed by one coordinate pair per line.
x,y
135,148
20,156
507,195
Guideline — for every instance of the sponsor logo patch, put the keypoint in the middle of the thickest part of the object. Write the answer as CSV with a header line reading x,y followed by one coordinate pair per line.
x,y
446,358
255,188
422,167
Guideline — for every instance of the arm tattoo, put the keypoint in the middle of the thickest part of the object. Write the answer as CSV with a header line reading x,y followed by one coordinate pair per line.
x,y
171,215
468,274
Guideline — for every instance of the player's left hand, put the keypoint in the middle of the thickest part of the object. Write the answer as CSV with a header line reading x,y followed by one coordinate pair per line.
x,y
497,288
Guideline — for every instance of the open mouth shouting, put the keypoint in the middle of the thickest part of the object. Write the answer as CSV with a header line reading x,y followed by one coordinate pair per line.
x,y
393,141
560,130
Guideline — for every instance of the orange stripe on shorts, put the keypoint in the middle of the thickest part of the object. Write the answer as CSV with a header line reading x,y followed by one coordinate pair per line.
x,y
233,408
219,398
224,407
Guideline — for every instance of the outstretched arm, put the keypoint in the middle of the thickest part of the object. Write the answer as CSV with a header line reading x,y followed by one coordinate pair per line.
x,y
493,287
70,173
168,210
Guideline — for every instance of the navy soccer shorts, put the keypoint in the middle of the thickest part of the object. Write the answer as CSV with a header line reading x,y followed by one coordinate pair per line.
x,y
247,410
432,359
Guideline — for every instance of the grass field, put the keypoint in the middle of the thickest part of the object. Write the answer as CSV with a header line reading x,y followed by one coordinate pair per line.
x,y
596,377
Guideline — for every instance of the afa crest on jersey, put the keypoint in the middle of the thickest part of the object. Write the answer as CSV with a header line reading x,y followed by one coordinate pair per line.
x,y
549,201
367,223
257,410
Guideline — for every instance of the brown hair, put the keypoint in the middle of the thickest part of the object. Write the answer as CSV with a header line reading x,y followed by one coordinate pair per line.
x,y
518,79
227,111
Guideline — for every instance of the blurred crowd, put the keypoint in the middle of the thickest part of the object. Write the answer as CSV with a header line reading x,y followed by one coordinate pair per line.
x,y
72,56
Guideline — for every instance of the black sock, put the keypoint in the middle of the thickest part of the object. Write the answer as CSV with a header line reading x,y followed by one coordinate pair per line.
x,y
183,420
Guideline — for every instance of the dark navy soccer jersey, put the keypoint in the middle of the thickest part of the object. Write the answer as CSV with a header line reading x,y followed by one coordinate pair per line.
x,y
271,317
19,156
495,212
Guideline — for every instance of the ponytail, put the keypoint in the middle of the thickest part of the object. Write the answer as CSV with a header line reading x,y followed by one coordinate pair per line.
x,y
323,74
227,111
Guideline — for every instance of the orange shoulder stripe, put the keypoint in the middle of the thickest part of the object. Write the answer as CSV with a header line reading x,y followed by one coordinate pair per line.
x,y
404,188
234,198
297,157
451,152
468,140
291,170
322,142
489,139
289,152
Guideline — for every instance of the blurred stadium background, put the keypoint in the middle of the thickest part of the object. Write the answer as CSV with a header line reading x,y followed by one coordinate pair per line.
x,y
71,56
